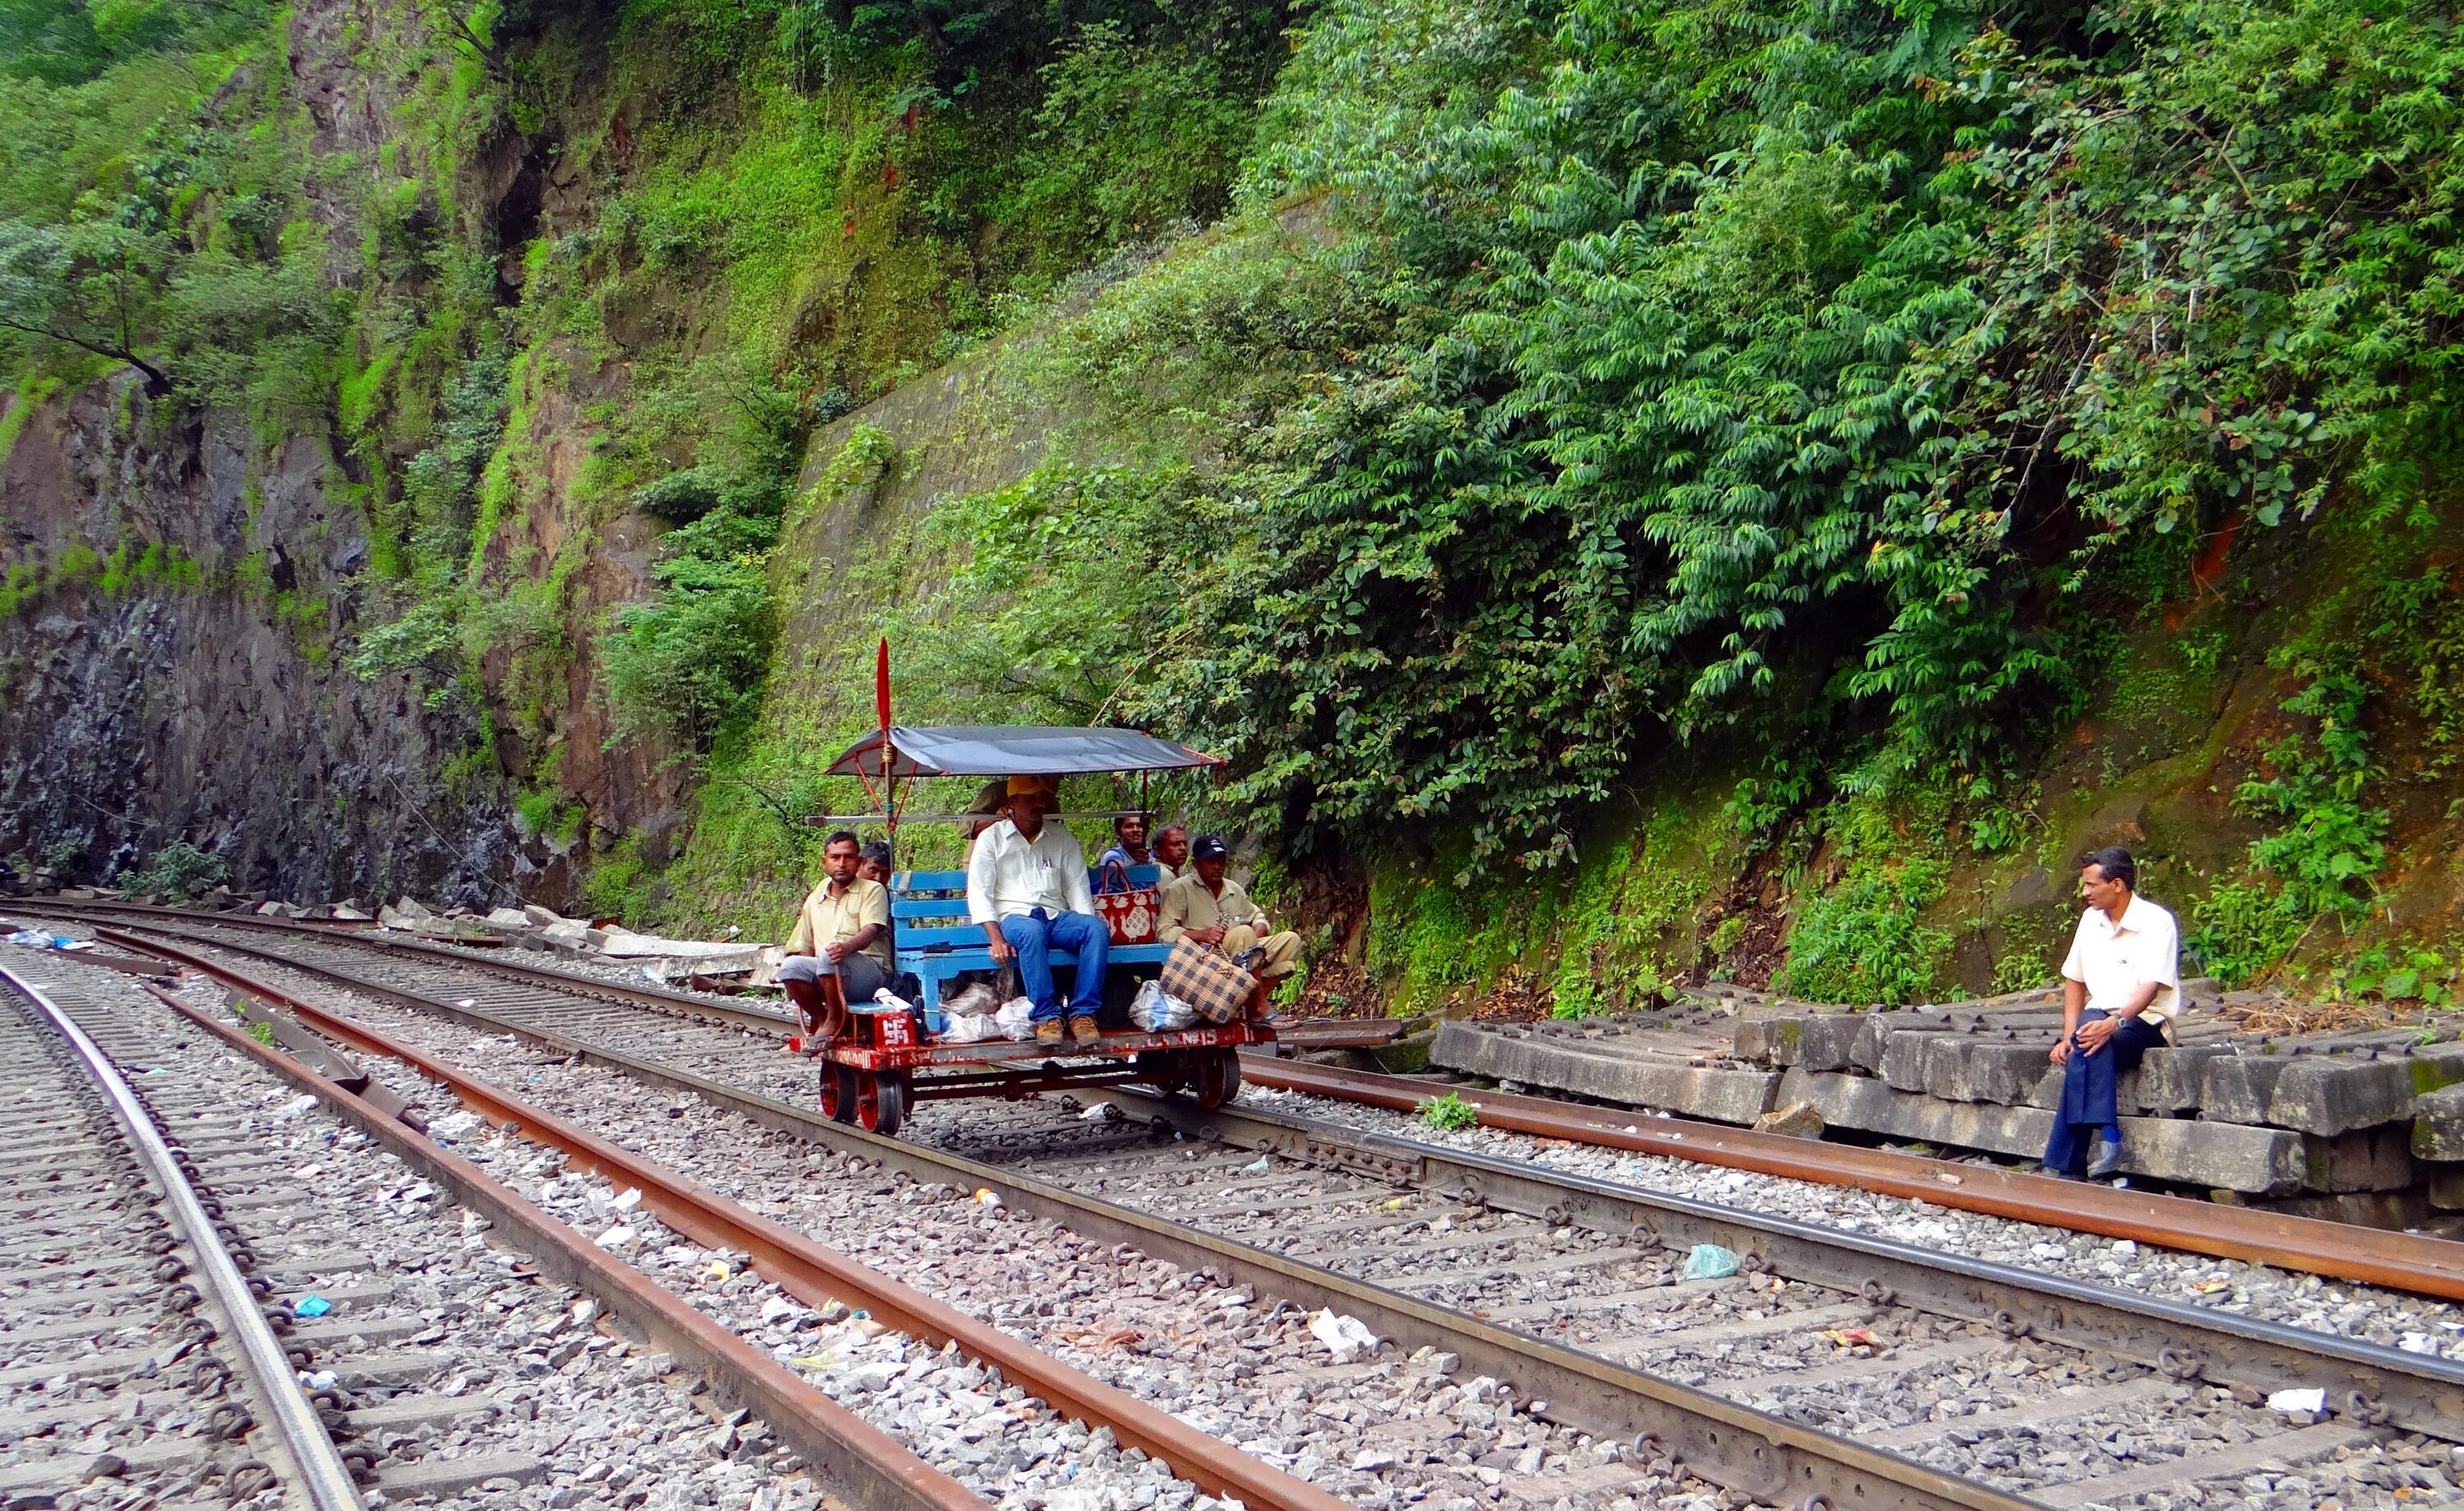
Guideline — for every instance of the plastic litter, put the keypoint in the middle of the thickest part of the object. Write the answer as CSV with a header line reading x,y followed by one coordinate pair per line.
x,y
977,1001
970,1028
41,939
1259,1166
893,1001
1344,1337
1709,1261
615,1237
311,1306
2312,1400
1158,1012
1017,1020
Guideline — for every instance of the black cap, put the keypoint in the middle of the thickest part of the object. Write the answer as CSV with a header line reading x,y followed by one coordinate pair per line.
x,y
1210,847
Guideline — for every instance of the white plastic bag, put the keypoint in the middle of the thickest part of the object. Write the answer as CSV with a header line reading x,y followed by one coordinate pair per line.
x,y
977,1001
1017,1020
900,1004
970,1028
1343,1336
1159,1013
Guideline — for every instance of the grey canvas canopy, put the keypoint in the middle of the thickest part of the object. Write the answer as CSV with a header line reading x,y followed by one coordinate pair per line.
x,y
996,750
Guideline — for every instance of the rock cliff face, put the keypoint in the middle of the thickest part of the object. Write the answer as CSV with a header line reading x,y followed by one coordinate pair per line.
x,y
197,699
185,588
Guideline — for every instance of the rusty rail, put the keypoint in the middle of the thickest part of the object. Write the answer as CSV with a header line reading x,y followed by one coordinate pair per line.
x,y
865,1465
1770,1459
2345,1251
821,1274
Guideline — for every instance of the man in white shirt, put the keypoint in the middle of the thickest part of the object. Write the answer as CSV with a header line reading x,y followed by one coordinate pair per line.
x,y
1026,885
2122,987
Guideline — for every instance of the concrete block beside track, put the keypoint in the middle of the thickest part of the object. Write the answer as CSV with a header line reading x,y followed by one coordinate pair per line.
x,y
2438,1124
2328,1097
1634,1078
2217,1155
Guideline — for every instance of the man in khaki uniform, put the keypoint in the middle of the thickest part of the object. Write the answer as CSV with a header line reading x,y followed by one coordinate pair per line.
x,y
843,930
1209,907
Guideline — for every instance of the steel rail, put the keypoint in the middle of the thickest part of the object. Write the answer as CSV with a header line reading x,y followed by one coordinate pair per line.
x,y
2340,1250
2377,1384
769,1020
1775,1461
2419,1393
865,1465
821,1274
317,1469
2307,1245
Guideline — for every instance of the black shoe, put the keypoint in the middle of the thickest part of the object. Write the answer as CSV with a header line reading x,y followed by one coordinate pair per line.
x,y
2108,1159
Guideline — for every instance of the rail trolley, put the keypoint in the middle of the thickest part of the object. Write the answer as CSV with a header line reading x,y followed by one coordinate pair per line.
x,y
888,1059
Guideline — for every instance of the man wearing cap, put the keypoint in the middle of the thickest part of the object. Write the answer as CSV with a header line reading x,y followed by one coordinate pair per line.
x,y
1209,907
1027,887
843,931
2121,986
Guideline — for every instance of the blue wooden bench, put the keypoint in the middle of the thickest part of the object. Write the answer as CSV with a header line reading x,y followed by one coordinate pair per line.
x,y
933,940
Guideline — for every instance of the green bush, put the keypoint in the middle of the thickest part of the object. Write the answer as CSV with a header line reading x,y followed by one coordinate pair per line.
x,y
178,871
1861,942
680,497
689,665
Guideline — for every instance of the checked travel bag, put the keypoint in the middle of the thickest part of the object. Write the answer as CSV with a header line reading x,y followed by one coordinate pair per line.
x,y
1208,983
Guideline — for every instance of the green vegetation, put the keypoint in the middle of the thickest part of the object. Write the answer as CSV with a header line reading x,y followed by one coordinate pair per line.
x,y
1572,459
178,872
1449,1113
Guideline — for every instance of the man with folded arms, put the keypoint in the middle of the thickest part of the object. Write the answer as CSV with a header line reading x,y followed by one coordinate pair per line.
x,y
843,931
1027,887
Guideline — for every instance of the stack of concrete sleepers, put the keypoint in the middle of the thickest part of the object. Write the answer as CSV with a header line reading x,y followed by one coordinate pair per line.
x,y
2362,1115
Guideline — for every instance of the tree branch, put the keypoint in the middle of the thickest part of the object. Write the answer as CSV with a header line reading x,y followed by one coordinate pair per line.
x,y
158,382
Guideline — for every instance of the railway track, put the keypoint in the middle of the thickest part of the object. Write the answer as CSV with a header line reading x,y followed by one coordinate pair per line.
x,y
2050,1390
125,1278
160,1359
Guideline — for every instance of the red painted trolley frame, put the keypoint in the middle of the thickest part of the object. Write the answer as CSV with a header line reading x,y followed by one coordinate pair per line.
x,y
878,1069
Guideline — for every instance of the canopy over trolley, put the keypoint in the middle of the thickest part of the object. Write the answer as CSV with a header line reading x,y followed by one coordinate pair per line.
x,y
997,750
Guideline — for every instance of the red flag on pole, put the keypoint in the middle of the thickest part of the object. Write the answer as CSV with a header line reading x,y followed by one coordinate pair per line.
x,y
881,682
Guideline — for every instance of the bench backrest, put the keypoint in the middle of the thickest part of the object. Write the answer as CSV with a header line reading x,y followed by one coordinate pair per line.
x,y
929,907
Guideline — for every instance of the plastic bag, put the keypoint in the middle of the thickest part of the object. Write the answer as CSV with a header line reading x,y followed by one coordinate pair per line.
x,y
1709,1261
900,1004
1343,1336
1158,1012
970,1028
976,1001
1017,1020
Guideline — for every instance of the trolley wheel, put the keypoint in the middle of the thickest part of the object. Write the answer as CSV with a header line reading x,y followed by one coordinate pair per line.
x,y
1166,1069
1217,1076
880,1101
838,1092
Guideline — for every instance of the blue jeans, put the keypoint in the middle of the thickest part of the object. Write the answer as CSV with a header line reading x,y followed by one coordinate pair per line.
x,y
2089,1100
1035,935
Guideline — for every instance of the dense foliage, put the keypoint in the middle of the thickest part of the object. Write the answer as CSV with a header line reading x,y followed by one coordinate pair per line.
x,y
1555,385
1831,335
